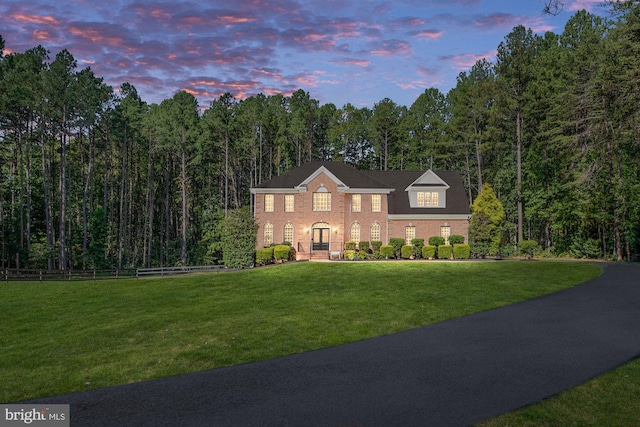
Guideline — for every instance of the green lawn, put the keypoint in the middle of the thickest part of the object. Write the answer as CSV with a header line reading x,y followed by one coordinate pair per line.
x,y
609,400
60,337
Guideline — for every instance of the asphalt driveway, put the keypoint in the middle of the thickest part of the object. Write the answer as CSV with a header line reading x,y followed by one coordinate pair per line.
x,y
454,373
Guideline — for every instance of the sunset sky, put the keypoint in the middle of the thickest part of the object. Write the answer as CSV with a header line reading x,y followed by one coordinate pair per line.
x,y
339,51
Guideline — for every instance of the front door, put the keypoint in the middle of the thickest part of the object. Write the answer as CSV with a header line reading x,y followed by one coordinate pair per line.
x,y
321,239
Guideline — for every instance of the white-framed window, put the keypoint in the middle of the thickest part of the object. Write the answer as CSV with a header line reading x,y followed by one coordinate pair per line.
x,y
376,203
427,199
356,203
268,234
288,233
355,232
375,232
322,202
409,234
268,202
445,232
289,202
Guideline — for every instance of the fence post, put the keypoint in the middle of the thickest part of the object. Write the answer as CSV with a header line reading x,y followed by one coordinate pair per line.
x,y
40,273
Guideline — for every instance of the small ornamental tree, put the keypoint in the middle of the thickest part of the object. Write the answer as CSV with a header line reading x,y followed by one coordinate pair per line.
x,y
528,248
487,223
417,243
239,238
436,241
397,244
456,239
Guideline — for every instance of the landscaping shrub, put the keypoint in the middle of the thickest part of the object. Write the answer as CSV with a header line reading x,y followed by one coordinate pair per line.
x,y
436,241
349,254
364,246
281,252
480,249
407,251
528,248
363,254
444,251
461,251
264,256
349,246
417,243
428,251
456,239
375,245
397,244
292,254
386,251
506,251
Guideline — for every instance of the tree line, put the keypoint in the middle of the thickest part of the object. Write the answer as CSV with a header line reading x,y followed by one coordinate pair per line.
x,y
98,178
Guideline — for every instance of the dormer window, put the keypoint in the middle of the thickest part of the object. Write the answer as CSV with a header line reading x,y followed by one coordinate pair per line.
x,y
427,199
428,191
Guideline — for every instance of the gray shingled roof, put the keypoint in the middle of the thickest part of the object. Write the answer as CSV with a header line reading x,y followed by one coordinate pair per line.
x,y
457,202
351,176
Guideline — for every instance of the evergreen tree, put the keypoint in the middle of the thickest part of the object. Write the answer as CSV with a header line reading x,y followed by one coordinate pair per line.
x,y
239,238
486,224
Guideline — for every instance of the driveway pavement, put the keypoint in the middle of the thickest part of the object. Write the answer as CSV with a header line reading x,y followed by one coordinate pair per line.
x,y
452,373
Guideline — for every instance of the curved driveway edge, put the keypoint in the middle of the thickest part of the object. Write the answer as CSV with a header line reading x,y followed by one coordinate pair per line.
x,y
456,372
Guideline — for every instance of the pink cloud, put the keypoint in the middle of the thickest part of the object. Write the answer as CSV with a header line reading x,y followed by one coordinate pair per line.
x,y
588,5
35,19
508,21
96,35
354,62
430,34
42,35
465,61
391,48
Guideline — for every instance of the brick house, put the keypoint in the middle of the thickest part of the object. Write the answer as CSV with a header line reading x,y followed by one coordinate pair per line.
x,y
321,205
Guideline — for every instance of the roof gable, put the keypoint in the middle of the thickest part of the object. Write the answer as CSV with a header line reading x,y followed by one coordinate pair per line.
x,y
427,179
318,172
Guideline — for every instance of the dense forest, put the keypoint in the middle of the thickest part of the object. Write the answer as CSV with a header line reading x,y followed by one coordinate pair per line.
x,y
94,177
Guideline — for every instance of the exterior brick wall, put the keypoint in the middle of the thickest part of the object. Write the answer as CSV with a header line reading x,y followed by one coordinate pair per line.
x,y
429,228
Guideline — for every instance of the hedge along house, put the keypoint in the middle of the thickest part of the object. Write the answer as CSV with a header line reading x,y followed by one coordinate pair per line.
x,y
319,206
